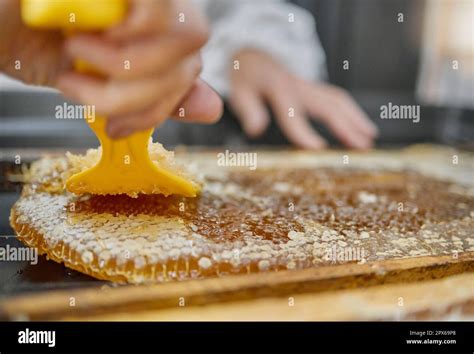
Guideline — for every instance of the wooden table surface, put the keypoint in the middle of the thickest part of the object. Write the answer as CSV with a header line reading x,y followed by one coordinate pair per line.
x,y
328,288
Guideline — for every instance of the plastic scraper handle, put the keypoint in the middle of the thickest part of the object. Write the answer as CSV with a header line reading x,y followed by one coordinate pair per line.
x,y
125,166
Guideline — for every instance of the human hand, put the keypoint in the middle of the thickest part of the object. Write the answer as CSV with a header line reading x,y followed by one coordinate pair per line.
x,y
149,65
262,80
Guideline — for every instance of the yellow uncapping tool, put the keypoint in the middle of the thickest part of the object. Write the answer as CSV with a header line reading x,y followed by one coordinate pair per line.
x,y
125,166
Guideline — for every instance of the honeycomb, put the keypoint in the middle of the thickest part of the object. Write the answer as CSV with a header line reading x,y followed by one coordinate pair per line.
x,y
247,221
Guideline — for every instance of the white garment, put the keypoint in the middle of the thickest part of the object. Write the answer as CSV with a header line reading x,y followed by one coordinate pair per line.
x,y
260,24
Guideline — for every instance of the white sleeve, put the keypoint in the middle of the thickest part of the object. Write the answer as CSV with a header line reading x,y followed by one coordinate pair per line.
x,y
285,31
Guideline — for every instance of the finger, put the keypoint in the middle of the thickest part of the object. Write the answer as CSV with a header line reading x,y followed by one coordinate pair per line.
x,y
201,105
138,58
341,126
115,97
361,119
147,17
109,98
143,17
120,127
344,130
292,122
357,116
338,116
354,114
250,109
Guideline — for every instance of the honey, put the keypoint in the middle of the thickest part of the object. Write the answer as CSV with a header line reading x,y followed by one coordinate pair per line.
x,y
405,201
249,221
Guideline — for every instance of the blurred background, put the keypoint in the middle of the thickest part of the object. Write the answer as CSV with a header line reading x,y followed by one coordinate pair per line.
x,y
403,63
